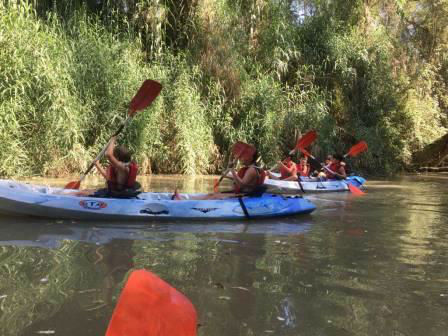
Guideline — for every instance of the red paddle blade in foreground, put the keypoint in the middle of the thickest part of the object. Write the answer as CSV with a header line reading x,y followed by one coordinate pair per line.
x,y
358,148
306,140
148,306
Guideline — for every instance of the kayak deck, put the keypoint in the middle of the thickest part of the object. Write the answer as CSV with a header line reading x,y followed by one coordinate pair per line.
x,y
313,185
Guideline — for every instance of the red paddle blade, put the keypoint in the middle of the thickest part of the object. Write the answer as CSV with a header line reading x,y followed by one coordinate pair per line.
x,y
306,140
148,306
149,91
358,148
73,185
355,190
241,149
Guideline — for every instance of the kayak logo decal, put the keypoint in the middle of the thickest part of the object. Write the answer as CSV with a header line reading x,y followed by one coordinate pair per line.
x,y
155,209
92,205
204,210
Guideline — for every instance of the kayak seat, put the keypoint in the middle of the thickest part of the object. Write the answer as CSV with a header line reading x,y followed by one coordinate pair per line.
x,y
123,194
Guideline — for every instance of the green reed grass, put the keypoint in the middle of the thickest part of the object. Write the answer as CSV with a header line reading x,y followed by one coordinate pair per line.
x,y
231,70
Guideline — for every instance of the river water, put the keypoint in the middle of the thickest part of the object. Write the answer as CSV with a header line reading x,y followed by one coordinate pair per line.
x,y
359,265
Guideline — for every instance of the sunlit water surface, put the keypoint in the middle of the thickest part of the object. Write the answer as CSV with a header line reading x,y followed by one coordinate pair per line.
x,y
369,265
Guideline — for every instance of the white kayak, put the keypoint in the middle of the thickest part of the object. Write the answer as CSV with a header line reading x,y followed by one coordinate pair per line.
x,y
18,198
311,185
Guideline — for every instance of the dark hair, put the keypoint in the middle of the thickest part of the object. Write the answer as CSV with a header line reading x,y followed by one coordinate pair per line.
x,y
122,154
338,157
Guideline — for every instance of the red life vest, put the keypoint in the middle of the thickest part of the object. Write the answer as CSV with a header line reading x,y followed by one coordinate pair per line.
x,y
334,167
301,171
284,173
260,178
112,183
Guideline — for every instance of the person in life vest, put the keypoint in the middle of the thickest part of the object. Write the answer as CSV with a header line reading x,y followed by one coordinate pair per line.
x,y
320,172
247,181
287,168
303,168
336,170
250,178
120,175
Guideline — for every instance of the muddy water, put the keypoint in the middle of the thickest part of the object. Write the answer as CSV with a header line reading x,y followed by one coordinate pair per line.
x,y
370,265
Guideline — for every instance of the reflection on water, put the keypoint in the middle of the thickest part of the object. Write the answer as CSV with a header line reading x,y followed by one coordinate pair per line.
x,y
370,265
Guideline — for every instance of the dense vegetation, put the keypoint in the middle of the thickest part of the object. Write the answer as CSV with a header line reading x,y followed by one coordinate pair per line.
x,y
255,70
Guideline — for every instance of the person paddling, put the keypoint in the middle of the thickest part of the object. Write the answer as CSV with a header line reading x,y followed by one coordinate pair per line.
x,y
303,168
248,181
120,175
336,169
287,168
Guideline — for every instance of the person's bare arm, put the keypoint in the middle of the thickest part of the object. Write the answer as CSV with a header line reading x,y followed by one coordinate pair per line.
x,y
120,166
101,170
290,170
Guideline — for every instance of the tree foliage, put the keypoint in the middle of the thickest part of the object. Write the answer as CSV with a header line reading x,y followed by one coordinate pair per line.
x,y
256,70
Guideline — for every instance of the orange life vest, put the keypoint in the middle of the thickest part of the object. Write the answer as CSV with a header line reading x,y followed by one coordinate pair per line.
x,y
112,183
301,171
260,178
334,167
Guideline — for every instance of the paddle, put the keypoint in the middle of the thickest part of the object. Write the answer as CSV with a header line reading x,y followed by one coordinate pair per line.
x,y
306,140
148,306
354,151
149,91
239,149
357,149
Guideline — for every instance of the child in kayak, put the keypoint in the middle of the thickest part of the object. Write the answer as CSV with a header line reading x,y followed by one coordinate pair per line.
x,y
319,170
335,170
248,181
120,175
287,168
303,168
250,178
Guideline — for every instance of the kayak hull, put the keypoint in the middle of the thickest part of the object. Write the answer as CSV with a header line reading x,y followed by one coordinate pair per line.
x,y
31,200
311,186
